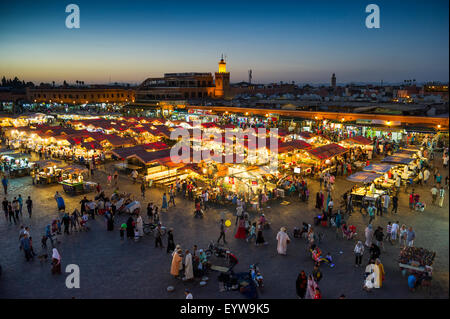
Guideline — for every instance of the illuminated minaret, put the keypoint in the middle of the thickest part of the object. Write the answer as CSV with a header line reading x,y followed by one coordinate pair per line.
x,y
222,79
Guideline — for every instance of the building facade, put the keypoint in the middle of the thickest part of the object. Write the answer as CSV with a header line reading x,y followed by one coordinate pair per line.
x,y
82,95
185,86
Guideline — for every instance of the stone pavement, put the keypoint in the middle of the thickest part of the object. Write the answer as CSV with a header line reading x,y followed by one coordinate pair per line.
x,y
111,268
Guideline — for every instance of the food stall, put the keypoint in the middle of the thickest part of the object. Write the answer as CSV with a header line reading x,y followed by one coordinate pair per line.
x,y
17,164
47,171
73,180
368,192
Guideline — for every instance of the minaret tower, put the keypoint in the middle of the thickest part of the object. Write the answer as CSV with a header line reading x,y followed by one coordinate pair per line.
x,y
222,80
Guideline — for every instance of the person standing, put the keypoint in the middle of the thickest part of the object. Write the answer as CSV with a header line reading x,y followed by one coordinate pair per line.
x,y
386,200
311,288
389,232
170,241
410,236
5,207
259,237
394,231
25,245
5,184
164,203
283,240
130,228
222,232
140,226
66,222
176,263
16,208
116,178
29,203
359,251
134,175
158,237
188,268
379,236
171,197
369,235
143,189
56,262
301,284
394,204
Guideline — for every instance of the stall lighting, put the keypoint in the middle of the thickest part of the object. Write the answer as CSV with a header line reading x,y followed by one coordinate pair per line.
x,y
439,126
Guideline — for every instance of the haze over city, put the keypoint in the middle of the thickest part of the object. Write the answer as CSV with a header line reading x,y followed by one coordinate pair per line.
x,y
298,41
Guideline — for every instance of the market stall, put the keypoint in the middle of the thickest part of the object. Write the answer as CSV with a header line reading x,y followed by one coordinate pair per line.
x,y
47,171
17,164
73,180
418,262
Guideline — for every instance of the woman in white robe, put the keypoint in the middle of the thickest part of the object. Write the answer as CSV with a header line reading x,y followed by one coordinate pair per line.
x,y
140,226
283,239
188,268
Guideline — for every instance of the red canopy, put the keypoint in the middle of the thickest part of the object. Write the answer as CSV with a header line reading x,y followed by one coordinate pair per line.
x,y
327,151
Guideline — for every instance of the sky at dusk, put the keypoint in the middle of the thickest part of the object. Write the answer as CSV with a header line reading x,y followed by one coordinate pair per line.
x,y
302,41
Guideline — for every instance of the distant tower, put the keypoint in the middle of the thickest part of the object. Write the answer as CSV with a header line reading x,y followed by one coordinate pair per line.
x,y
333,81
222,80
250,76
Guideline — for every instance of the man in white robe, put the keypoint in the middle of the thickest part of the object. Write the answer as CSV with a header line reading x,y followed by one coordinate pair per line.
x,y
140,226
283,239
188,268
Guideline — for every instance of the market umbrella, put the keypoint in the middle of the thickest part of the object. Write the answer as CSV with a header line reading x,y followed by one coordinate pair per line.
x,y
363,177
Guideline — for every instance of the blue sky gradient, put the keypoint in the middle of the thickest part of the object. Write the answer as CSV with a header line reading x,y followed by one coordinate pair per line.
x,y
302,41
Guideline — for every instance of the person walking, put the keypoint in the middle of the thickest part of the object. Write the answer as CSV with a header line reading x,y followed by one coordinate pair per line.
x,y
394,231
441,196
283,240
359,251
222,232
29,204
434,194
20,200
371,212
